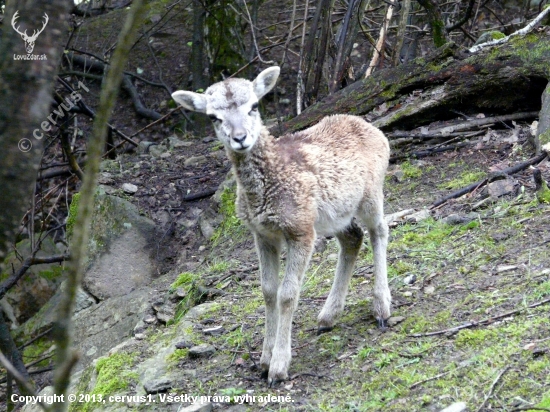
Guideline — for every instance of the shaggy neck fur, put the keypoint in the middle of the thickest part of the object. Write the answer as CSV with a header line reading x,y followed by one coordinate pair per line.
x,y
252,169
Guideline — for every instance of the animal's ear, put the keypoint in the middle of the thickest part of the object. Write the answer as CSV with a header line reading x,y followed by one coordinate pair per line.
x,y
266,81
191,101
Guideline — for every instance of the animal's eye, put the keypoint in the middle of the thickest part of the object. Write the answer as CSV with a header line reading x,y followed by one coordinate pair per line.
x,y
214,118
254,108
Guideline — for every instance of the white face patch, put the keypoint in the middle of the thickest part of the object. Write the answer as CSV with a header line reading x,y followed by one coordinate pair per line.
x,y
232,105
233,108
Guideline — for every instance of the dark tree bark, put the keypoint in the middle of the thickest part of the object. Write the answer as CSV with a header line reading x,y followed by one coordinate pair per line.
x,y
439,33
502,80
25,98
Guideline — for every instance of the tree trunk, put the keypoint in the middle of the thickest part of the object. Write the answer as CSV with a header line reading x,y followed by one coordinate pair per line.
x,y
25,99
496,81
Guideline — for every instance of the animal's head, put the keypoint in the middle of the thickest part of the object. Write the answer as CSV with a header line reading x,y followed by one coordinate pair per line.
x,y
233,107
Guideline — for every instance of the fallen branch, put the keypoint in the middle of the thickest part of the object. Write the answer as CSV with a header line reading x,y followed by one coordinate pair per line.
x,y
138,105
414,385
456,129
508,171
200,195
430,151
492,388
89,112
100,67
486,321
521,32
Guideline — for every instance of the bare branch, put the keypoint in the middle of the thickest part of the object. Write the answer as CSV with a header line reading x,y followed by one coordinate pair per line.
x,y
520,32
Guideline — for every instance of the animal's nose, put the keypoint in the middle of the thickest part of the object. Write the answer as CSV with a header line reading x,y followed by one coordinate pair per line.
x,y
239,138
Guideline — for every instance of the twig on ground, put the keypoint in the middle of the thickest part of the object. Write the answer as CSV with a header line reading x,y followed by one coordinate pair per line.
x,y
433,378
482,322
200,195
492,388
508,171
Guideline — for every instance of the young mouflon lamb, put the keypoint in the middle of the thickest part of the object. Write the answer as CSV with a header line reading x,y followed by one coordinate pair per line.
x,y
291,189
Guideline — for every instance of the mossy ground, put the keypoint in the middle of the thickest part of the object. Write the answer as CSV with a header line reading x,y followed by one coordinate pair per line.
x,y
460,278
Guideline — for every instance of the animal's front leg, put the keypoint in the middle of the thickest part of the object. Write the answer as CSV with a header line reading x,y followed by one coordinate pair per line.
x,y
268,254
299,254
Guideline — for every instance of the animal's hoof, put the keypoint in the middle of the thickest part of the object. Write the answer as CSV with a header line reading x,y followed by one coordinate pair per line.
x,y
382,324
324,329
274,382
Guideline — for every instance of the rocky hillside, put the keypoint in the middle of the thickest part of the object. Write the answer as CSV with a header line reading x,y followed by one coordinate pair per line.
x,y
470,281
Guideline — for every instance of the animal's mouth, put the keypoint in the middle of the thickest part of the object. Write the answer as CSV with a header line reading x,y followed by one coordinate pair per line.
x,y
242,148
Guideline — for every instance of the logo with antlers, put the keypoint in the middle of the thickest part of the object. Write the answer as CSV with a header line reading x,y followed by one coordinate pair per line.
x,y
29,40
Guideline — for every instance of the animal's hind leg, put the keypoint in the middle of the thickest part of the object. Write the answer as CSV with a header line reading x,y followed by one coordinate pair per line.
x,y
350,241
378,232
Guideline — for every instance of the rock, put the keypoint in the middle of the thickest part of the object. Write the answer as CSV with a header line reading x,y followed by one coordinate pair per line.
x,y
502,187
157,150
284,102
165,155
144,147
180,294
150,319
48,312
407,294
455,407
184,345
208,139
203,350
456,219
159,385
129,188
418,216
35,407
197,311
394,320
108,323
175,142
165,312
105,178
410,279
208,222
218,330
109,165
121,249
197,407
429,290
194,161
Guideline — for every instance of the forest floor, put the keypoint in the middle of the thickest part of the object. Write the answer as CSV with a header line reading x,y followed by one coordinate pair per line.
x,y
485,261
